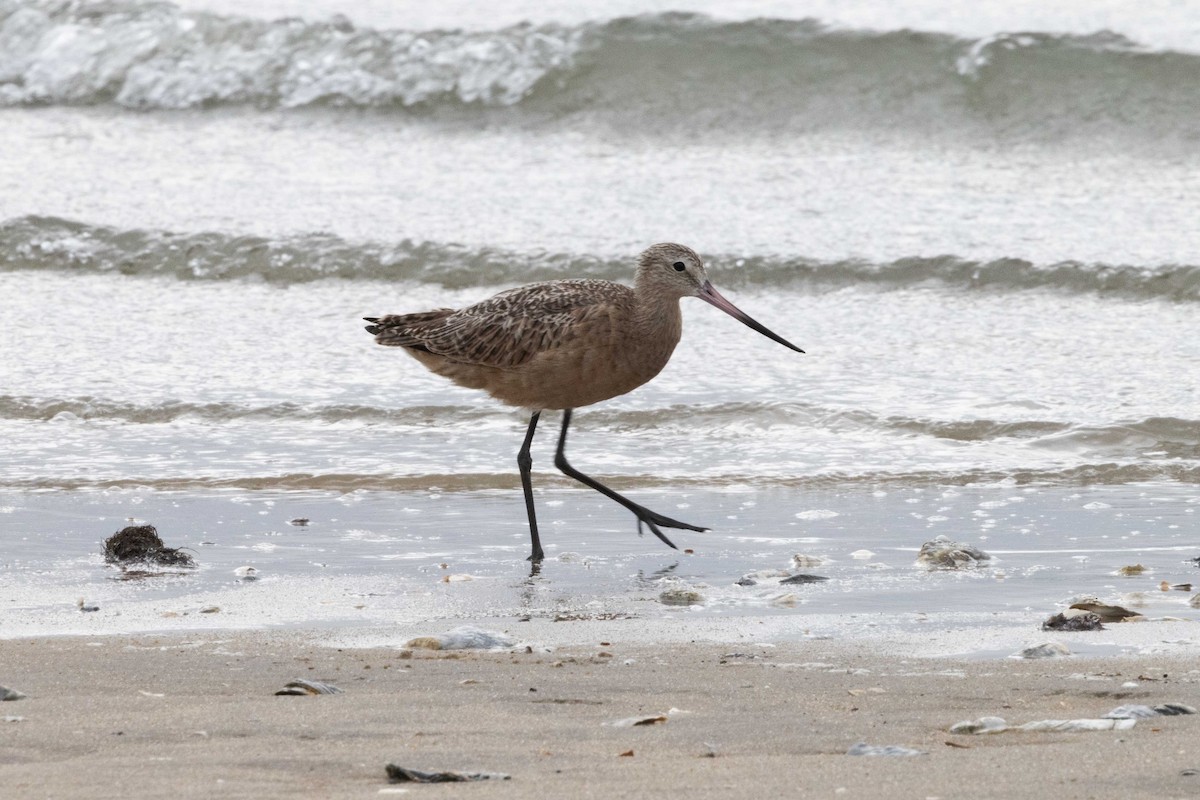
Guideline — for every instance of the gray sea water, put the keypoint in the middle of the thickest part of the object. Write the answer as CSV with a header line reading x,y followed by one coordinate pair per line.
x,y
980,226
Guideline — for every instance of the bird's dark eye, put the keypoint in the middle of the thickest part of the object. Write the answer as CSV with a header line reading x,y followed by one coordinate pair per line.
x,y
679,266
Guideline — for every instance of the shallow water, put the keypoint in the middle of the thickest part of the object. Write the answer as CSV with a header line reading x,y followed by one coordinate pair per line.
x,y
392,564
980,228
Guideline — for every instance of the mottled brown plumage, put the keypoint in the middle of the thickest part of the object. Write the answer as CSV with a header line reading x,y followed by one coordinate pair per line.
x,y
564,344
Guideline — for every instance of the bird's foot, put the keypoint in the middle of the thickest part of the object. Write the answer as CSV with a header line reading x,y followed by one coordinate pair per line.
x,y
653,520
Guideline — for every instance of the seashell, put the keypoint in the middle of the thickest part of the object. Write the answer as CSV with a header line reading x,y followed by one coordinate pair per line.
x,y
980,726
1045,650
1173,709
11,694
1077,725
804,561
300,686
246,573
399,774
1144,712
634,722
1106,613
1194,601
862,555
679,596
864,749
466,637
299,522
942,553
1131,570
802,578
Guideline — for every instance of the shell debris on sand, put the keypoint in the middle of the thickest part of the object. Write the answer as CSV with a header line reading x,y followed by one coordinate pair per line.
x,y
803,578
302,687
1105,612
466,637
1044,650
864,749
11,694
246,573
803,561
988,725
943,553
680,596
399,774
1145,712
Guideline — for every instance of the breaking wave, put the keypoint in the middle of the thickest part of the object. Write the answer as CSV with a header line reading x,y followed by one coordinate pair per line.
x,y
660,73
49,243
1165,437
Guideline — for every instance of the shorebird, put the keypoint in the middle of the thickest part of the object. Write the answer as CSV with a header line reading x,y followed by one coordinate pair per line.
x,y
563,344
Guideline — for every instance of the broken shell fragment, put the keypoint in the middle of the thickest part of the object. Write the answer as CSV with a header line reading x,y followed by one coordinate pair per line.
x,y
1131,570
1044,650
634,722
943,553
1145,712
985,725
803,578
11,694
1105,612
246,573
466,637
864,749
678,596
803,561
301,686
399,774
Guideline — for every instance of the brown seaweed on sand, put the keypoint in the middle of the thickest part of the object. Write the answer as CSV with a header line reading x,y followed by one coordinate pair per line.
x,y
142,544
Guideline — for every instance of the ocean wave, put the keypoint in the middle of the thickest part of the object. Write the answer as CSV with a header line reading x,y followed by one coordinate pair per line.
x,y
1155,437
666,72
1098,474
50,243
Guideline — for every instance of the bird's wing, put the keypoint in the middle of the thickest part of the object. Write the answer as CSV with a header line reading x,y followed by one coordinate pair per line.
x,y
509,329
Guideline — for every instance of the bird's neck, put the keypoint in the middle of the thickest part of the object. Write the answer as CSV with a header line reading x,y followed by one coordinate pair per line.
x,y
658,318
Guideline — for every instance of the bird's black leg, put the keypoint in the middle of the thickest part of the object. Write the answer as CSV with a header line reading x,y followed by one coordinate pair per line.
x,y
525,463
643,514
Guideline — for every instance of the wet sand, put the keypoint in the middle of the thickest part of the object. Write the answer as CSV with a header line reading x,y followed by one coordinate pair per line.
x,y
195,717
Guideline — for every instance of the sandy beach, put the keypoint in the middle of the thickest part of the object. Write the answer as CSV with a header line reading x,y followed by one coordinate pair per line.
x,y
196,717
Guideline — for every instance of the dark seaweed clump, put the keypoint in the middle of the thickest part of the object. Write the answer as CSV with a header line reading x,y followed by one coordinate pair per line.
x,y
1081,622
141,543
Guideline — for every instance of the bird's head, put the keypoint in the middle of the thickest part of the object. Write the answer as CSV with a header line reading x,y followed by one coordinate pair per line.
x,y
673,271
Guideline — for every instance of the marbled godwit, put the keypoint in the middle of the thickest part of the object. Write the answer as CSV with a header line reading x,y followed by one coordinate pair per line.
x,y
562,345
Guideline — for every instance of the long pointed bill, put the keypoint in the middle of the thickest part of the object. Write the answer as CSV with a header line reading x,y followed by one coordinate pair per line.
x,y
710,295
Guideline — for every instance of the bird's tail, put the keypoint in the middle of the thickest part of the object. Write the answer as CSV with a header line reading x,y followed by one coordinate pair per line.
x,y
404,330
